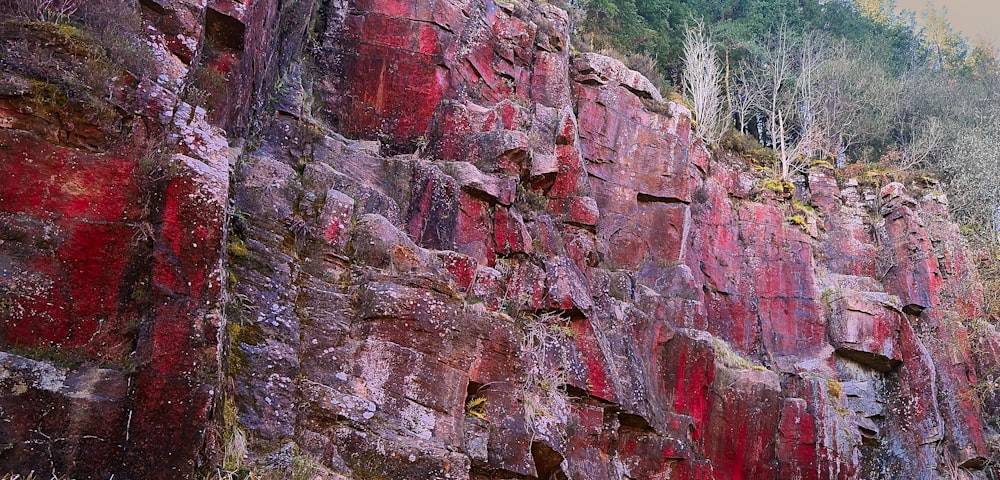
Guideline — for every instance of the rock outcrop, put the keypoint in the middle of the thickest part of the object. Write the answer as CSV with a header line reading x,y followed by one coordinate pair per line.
x,y
428,240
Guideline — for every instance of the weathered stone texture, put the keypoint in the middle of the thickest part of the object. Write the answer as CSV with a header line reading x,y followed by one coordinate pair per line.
x,y
455,249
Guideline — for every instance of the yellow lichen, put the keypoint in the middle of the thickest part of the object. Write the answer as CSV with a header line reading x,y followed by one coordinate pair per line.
x,y
834,388
237,248
798,220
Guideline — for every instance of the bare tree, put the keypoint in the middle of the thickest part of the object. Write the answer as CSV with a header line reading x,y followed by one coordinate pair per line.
x,y
970,169
702,75
928,140
854,101
778,68
810,142
745,95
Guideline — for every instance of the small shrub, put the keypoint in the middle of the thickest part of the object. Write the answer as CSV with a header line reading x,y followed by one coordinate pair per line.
x,y
738,142
777,185
988,266
874,174
735,141
41,10
117,26
798,220
475,407
113,25
88,59
207,89
530,198
305,467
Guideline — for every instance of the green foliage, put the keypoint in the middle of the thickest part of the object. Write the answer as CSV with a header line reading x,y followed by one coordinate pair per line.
x,y
863,83
656,27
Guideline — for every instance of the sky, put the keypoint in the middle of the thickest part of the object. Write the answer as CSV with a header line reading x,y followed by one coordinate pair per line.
x,y
975,19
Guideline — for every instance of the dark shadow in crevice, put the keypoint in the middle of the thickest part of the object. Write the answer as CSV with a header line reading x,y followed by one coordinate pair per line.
x,y
224,31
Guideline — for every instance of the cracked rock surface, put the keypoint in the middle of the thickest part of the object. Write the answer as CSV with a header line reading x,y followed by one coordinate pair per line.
x,y
427,240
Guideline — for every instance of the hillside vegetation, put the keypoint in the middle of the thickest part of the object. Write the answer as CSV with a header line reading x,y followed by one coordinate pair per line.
x,y
843,81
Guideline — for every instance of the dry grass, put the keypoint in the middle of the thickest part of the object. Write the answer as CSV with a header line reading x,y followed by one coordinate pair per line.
x,y
732,359
41,10
987,259
543,389
30,476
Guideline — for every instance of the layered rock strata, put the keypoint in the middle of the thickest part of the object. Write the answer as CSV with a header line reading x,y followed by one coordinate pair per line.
x,y
428,240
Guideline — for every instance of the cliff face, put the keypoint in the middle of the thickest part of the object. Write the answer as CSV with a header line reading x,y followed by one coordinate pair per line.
x,y
427,240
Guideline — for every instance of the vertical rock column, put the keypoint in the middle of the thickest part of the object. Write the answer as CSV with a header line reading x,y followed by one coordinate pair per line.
x,y
936,308
178,347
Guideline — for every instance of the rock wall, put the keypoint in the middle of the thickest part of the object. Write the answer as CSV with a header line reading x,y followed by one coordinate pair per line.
x,y
431,240
114,214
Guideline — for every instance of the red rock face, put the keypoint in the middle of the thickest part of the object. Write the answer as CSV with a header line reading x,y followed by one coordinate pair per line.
x,y
112,279
72,282
179,345
76,215
519,263
865,329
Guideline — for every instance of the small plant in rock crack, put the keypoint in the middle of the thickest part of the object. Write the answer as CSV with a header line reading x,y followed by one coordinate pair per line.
x,y
529,199
301,231
420,144
476,407
546,365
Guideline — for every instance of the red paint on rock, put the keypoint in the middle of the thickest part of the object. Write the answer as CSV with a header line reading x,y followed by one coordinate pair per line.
x,y
85,209
391,94
596,382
